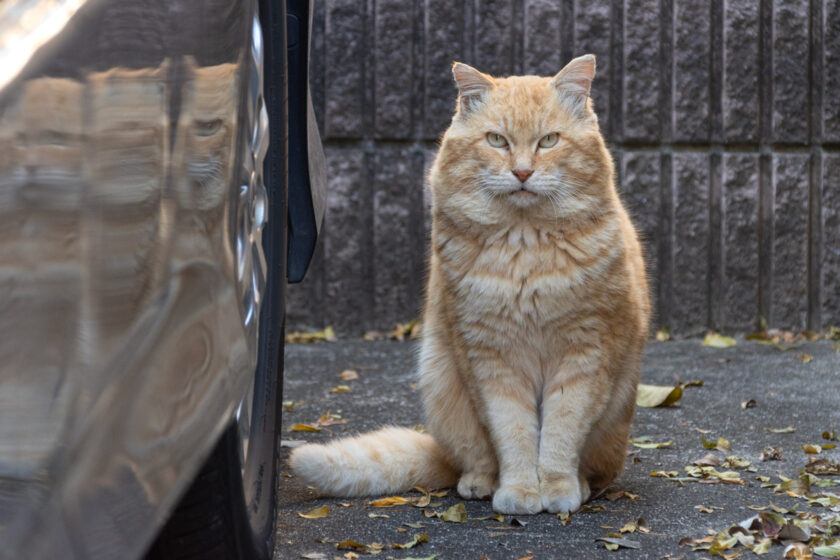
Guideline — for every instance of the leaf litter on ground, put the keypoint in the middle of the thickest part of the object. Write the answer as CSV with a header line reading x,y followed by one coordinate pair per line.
x,y
298,337
715,340
651,396
317,513
644,442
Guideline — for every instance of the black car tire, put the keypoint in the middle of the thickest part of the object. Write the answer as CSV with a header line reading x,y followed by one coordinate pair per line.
x,y
210,522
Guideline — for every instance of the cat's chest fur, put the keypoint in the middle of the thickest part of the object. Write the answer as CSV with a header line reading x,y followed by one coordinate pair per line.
x,y
523,279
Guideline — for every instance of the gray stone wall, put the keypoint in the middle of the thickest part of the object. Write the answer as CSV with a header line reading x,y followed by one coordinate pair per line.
x,y
723,117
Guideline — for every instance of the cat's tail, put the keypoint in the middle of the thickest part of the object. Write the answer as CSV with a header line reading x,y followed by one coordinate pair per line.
x,y
389,460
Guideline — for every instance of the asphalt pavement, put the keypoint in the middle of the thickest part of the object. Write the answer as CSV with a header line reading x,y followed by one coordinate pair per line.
x,y
747,391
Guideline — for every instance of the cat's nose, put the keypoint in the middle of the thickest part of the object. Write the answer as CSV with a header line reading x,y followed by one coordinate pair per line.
x,y
523,174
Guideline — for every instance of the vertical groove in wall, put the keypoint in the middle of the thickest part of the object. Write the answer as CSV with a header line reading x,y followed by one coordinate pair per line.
x,y
816,85
666,236
766,192
616,126
567,33
369,257
666,181
715,277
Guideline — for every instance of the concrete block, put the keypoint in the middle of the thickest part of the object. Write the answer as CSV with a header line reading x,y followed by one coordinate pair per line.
x,y
789,303
831,70
641,70
305,300
395,267
592,35
691,71
348,241
641,195
740,75
790,71
344,80
739,310
690,304
542,37
494,36
830,285
393,84
444,44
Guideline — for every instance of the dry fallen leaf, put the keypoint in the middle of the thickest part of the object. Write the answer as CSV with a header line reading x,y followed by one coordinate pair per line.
x,y
708,460
788,430
329,419
340,389
715,340
823,466
389,501
645,442
804,358
613,543
349,375
748,404
650,396
455,514
403,331
304,428
316,513
328,334
665,474
812,449
618,494
418,538
722,444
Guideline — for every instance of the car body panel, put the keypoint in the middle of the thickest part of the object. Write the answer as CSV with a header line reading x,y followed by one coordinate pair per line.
x,y
132,136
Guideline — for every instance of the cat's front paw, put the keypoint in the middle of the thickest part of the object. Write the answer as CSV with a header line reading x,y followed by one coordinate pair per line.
x,y
476,485
517,500
563,493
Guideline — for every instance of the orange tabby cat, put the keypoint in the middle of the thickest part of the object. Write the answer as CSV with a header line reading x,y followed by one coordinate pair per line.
x,y
536,310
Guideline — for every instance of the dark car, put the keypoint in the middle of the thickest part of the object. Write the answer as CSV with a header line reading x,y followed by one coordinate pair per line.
x,y
147,229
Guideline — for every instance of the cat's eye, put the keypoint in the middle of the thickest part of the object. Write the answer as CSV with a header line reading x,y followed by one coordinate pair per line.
x,y
549,140
496,140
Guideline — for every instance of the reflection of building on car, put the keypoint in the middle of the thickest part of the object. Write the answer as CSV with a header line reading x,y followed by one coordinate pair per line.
x,y
138,328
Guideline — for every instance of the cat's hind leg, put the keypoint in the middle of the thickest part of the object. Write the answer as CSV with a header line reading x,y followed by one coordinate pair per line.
x,y
605,451
452,419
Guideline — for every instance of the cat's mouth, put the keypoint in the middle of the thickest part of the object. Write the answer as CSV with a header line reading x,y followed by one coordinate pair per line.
x,y
523,194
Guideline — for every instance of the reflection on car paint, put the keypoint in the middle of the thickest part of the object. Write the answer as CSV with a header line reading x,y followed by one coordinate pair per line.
x,y
131,268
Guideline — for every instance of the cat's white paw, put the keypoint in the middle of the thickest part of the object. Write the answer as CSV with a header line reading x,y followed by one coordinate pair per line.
x,y
563,493
517,500
476,485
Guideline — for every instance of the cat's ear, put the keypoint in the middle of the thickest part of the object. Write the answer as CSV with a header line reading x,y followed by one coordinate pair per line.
x,y
472,85
573,82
